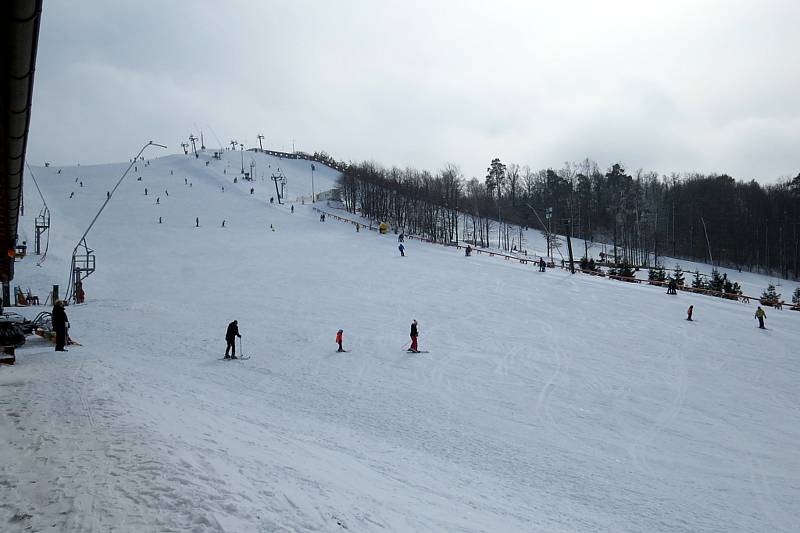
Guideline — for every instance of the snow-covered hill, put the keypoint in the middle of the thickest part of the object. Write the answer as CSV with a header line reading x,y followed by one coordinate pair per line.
x,y
547,402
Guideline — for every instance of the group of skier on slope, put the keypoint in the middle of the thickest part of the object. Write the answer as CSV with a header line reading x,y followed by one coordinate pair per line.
x,y
233,327
760,316
233,332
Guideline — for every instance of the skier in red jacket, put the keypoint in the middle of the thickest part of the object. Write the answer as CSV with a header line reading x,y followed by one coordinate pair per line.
x,y
339,336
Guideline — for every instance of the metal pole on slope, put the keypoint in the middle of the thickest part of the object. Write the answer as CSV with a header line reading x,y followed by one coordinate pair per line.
x,y
313,196
569,246
707,241
108,199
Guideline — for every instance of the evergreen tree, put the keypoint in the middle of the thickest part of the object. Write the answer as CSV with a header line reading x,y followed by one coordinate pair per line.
x,y
717,282
770,295
677,277
697,282
731,289
796,296
657,273
625,270
737,289
495,177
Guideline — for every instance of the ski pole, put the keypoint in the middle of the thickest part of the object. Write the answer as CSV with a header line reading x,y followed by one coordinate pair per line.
x,y
241,349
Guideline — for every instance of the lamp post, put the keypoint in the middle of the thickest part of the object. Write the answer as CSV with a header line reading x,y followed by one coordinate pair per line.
x,y
241,147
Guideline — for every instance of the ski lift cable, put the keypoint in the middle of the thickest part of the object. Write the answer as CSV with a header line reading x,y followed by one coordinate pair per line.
x,y
82,240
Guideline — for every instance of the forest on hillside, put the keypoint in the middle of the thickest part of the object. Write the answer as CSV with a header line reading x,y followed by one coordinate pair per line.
x,y
641,216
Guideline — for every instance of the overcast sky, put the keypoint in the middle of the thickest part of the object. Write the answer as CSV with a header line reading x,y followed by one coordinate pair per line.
x,y
707,86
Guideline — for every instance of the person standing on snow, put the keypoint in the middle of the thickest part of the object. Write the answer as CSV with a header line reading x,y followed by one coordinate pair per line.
x,y
414,335
689,313
339,337
760,315
230,338
402,250
60,321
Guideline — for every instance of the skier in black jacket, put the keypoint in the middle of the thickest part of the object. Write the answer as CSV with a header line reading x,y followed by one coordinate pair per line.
x,y
414,335
230,338
60,322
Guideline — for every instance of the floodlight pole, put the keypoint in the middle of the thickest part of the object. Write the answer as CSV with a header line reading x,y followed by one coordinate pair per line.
x,y
241,146
260,138
108,199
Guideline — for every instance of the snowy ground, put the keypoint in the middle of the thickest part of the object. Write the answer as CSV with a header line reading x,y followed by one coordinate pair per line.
x,y
547,402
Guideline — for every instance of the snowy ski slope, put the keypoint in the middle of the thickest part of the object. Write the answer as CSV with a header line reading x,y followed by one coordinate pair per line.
x,y
547,402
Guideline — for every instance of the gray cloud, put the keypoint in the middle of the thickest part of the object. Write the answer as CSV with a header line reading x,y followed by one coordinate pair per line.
x,y
685,86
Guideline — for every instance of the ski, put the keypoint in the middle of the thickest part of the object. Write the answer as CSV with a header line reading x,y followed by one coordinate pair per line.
x,y
418,351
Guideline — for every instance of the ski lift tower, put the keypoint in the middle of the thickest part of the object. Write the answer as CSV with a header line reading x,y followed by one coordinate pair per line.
x,y
279,178
83,264
42,225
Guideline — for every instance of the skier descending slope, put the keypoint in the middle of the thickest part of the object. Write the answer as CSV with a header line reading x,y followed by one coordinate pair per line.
x,y
339,338
402,250
760,315
414,335
230,338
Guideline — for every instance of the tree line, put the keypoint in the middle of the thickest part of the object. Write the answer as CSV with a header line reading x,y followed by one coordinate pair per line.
x,y
640,216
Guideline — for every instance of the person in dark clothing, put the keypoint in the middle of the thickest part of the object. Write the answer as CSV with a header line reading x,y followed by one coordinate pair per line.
x,y
414,335
402,250
468,251
60,322
541,264
230,338
672,287
689,313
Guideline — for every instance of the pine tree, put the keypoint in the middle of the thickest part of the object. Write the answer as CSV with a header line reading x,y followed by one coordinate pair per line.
x,y
657,273
677,277
697,282
796,296
770,296
732,289
625,270
717,282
